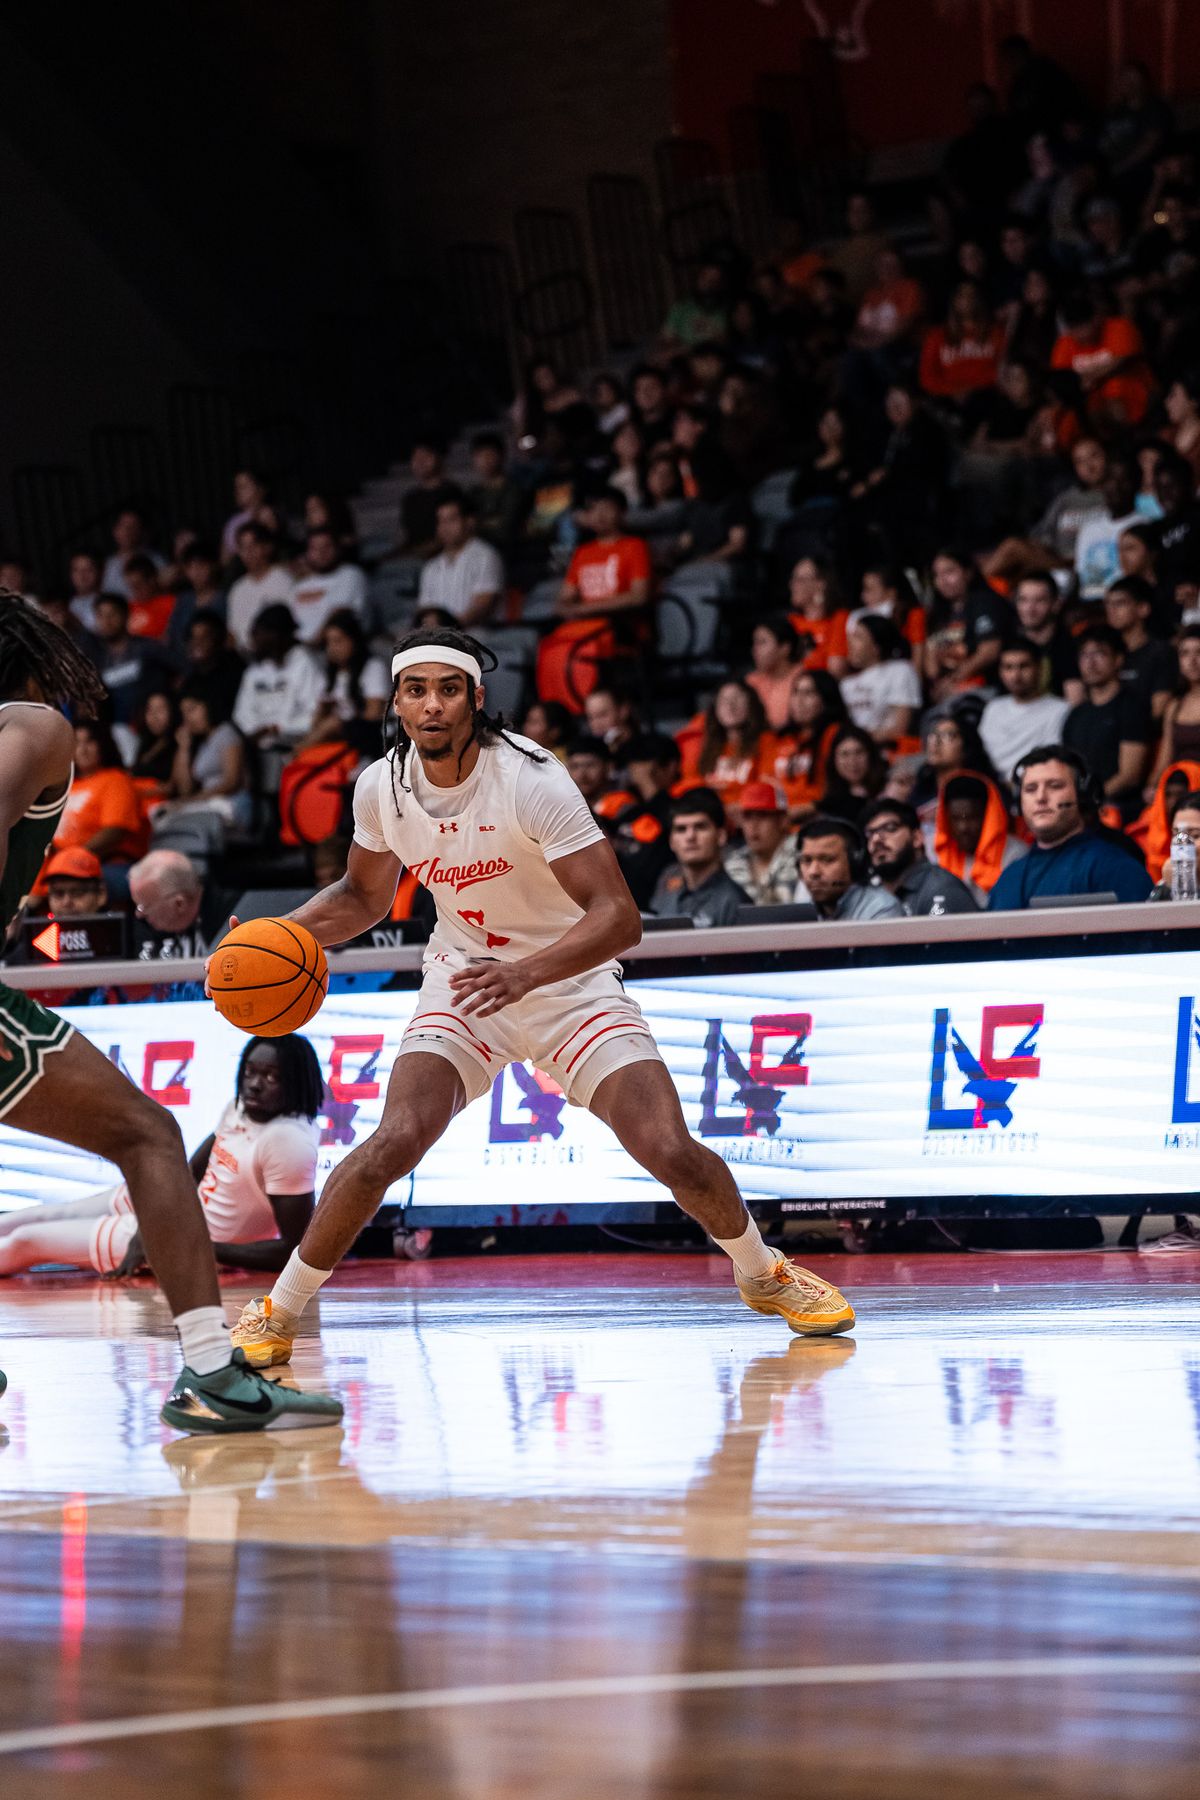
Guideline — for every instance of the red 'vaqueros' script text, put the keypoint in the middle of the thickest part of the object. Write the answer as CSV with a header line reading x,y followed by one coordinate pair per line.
x,y
459,875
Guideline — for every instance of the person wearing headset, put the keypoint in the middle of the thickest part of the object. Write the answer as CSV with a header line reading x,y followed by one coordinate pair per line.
x,y
834,870
1071,854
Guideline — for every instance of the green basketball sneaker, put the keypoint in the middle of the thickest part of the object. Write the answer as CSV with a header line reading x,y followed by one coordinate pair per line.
x,y
238,1398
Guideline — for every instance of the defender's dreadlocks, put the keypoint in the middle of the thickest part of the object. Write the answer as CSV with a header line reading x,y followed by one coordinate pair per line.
x,y
300,1080
32,649
486,728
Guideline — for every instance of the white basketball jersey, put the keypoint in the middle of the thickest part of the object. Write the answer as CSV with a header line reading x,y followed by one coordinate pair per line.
x,y
483,848
249,1160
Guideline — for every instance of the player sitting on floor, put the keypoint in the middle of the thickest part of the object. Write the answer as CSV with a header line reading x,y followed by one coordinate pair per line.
x,y
256,1177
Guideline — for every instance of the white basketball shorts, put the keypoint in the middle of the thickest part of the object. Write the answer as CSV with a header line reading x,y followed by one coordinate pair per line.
x,y
577,1032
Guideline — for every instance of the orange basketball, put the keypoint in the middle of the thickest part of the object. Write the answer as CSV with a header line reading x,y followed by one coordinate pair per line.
x,y
268,977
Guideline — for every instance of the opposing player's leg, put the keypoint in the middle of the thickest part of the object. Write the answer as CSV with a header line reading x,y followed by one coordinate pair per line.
x,y
76,1096
640,1105
425,1091
82,1099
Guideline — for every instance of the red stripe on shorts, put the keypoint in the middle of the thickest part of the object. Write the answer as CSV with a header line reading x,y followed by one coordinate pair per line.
x,y
450,1032
621,1025
461,1023
600,1015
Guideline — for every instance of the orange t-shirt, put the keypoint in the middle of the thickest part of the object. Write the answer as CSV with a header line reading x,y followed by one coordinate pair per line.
x,y
604,571
150,618
795,765
827,637
952,369
911,627
891,308
799,270
774,691
100,801
1128,392
728,775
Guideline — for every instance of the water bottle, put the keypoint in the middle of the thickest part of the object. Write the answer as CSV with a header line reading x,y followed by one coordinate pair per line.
x,y
1183,866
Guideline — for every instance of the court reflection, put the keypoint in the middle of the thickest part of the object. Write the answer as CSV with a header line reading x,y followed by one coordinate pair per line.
x,y
957,1422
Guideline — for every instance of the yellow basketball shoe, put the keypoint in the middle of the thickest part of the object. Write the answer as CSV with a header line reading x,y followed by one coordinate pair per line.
x,y
261,1336
811,1307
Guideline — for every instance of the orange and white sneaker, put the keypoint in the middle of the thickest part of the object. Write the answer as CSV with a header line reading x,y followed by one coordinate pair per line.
x,y
261,1336
811,1307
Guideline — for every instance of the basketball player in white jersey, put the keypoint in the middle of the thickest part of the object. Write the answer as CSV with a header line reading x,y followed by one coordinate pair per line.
x,y
532,912
256,1177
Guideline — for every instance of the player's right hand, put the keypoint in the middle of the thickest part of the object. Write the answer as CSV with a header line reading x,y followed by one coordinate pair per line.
x,y
233,925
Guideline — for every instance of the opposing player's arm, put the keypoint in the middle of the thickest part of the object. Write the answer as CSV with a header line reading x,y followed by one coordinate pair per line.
x,y
35,753
292,1213
611,924
359,900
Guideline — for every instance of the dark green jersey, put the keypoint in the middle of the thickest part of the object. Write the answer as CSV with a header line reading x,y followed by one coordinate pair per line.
x,y
28,842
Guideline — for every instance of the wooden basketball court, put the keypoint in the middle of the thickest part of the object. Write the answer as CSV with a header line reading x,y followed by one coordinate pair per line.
x,y
593,1529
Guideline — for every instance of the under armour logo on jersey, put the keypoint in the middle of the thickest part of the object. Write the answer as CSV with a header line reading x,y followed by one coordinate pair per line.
x,y
445,825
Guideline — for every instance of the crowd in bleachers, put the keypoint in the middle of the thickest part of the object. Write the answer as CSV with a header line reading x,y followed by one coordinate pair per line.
x,y
872,583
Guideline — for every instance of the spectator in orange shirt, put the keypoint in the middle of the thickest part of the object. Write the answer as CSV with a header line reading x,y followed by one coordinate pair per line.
x,y
887,591
797,758
817,618
773,648
607,584
881,344
102,813
724,755
962,355
611,574
150,606
890,307
1108,357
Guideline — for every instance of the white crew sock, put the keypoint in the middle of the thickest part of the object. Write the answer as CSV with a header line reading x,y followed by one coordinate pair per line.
x,y
296,1287
748,1254
204,1339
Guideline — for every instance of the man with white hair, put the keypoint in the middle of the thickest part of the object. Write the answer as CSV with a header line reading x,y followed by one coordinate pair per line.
x,y
176,915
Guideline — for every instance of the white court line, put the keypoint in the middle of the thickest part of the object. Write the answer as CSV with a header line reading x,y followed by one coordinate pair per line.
x,y
353,1706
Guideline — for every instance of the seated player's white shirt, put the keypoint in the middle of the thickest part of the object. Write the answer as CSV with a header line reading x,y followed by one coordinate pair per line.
x,y
249,1161
483,848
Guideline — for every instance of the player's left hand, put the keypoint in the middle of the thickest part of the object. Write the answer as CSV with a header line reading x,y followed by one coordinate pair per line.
x,y
485,987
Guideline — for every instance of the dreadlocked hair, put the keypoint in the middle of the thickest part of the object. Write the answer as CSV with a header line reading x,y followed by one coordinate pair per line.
x,y
32,649
486,728
300,1081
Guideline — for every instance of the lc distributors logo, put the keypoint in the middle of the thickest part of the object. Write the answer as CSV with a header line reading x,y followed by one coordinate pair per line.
x,y
984,1082
1185,1093
743,1082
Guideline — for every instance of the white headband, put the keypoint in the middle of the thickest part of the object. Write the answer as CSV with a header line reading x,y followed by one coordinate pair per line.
x,y
437,653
